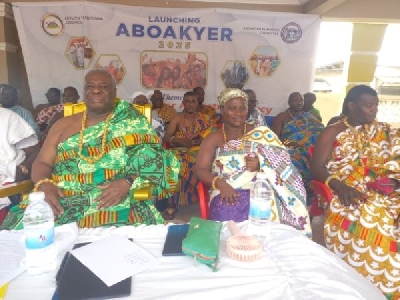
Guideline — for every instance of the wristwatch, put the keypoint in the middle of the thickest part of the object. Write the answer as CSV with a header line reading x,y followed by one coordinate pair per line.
x,y
129,180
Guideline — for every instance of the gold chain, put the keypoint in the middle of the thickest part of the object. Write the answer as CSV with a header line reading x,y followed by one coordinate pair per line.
x,y
94,159
244,132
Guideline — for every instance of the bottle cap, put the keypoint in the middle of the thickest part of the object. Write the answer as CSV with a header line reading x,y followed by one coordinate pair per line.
x,y
262,175
35,196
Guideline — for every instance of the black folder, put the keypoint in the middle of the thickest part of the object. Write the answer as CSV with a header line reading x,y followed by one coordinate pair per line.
x,y
173,240
76,282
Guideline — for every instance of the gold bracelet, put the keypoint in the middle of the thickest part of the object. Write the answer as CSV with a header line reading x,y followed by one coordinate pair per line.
x,y
40,182
214,187
329,178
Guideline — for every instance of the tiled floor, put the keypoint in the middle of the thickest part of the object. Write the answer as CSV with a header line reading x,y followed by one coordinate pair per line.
x,y
185,212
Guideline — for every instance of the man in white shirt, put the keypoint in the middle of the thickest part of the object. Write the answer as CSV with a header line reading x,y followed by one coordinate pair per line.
x,y
254,115
18,149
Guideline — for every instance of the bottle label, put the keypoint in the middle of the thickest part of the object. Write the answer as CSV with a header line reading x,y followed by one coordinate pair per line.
x,y
260,209
40,237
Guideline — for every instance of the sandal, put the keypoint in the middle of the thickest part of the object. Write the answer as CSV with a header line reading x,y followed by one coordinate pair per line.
x,y
169,213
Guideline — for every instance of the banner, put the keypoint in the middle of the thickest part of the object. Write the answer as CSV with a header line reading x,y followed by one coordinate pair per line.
x,y
173,50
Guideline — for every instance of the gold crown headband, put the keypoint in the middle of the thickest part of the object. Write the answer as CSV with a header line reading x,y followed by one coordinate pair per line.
x,y
229,94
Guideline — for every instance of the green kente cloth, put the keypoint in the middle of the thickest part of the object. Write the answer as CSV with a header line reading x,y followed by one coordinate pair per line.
x,y
132,148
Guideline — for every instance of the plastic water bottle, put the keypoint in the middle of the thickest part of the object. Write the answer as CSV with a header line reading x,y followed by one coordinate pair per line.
x,y
261,196
38,224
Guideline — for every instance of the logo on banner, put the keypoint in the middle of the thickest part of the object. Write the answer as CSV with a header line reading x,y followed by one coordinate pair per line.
x,y
291,33
52,25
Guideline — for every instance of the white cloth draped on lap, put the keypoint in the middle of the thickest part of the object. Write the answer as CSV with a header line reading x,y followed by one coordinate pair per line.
x,y
15,135
292,267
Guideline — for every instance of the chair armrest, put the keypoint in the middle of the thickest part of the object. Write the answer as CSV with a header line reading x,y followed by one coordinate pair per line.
x,y
16,188
27,185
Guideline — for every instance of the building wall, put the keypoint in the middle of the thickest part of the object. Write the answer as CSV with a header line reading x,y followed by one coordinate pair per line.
x,y
375,11
12,69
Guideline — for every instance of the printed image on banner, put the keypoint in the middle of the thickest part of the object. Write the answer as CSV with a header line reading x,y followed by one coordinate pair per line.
x,y
113,65
235,74
79,52
169,70
264,61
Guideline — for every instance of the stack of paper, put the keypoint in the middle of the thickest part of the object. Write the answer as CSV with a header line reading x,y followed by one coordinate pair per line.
x,y
12,252
114,259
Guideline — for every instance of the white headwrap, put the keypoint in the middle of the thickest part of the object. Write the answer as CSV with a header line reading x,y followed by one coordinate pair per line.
x,y
140,93
149,94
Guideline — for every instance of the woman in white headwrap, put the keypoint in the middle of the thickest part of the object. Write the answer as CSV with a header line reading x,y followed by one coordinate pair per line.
x,y
230,158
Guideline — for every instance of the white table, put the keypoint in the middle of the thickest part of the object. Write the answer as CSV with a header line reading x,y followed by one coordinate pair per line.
x,y
292,268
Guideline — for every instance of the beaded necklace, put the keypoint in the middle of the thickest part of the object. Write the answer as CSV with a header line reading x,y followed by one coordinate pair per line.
x,y
302,116
94,159
241,147
186,128
360,135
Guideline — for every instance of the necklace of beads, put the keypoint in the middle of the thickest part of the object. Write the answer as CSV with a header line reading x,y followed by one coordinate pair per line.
x,y
186,128
360,137
302,116
244,132
94,159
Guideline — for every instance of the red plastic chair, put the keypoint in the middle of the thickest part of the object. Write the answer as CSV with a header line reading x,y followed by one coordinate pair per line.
x,y
322,198
322,193
3,214
204,199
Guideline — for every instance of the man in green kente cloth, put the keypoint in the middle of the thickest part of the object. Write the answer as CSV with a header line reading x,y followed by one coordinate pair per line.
x,y
92,162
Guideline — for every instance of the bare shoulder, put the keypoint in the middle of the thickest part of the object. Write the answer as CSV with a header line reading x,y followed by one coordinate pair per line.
x,y
65,125
336,127
176,118
280,117
214,139
67,121
333,130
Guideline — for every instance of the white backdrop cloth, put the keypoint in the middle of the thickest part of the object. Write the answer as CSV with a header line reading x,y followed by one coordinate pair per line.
x,y
293,267
172,49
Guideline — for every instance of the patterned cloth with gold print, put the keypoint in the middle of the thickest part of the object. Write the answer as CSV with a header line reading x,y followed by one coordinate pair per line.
x,y
368,236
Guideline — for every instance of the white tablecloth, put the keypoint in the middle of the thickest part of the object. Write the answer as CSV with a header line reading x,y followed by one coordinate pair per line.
x,y
292,267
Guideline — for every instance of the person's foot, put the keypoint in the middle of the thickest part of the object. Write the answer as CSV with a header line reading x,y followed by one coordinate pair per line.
x,y
170,212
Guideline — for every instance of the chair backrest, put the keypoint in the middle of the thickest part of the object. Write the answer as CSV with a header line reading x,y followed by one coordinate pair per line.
x,y
204,199
144,110
72,108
